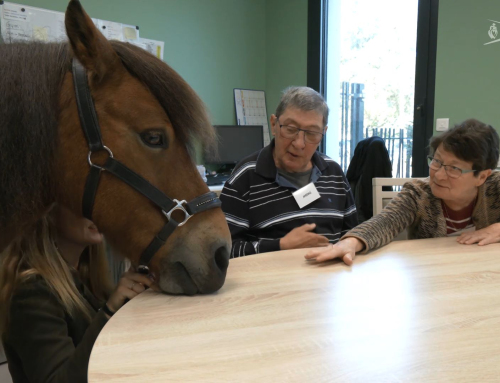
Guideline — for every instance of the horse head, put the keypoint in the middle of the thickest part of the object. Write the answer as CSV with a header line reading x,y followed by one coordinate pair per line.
x,y
149,117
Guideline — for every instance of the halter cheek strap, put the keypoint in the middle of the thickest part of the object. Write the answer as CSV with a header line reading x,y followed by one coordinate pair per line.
x,y
92,131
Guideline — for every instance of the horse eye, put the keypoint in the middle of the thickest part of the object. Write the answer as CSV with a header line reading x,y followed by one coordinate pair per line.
x,y
153,139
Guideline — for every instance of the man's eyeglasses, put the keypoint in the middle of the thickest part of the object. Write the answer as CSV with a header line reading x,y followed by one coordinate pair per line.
x,y
291,132
452,171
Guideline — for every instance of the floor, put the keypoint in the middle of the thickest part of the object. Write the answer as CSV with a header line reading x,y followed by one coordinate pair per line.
x,y
4,374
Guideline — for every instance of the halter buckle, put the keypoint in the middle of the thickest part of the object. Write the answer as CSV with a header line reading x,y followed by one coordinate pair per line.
x,y
180,207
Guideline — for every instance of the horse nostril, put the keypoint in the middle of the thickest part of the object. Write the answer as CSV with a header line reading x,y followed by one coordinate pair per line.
x,y
221,258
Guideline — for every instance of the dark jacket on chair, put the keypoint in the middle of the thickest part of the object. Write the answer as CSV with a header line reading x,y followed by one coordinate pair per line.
x,y
371,159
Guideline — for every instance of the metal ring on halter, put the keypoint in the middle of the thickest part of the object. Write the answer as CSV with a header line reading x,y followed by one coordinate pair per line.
x,y
178,207
90,155
142,269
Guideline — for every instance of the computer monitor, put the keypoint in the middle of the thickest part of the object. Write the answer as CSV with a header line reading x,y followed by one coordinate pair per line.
x,y
235,142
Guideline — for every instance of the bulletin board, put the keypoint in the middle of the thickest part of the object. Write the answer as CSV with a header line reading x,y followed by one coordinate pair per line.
x,y
23,23
251,109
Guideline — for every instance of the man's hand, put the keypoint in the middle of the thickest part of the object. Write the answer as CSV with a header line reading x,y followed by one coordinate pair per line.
x,y
345,250
301,237
490,234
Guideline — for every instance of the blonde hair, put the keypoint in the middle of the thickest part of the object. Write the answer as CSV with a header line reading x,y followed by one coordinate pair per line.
x,y
35,254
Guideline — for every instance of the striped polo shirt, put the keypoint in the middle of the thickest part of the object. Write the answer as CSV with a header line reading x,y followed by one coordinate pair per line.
x,y
260,208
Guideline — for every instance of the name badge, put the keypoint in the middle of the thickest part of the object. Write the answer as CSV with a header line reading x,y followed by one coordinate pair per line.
x,y
306,195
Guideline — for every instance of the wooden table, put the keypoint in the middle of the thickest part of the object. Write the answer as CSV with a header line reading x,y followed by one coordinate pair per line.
x,y
418,311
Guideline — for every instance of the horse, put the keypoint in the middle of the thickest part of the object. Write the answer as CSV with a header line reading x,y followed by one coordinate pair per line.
x,y
150,120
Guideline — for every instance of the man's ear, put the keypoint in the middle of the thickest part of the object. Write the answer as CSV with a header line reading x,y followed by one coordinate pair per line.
x,y
273,120
326,128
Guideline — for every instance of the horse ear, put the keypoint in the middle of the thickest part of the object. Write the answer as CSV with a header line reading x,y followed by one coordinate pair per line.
x,y
89,46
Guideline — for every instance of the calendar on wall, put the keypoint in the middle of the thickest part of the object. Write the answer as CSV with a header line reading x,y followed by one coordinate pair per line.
x,y
251,109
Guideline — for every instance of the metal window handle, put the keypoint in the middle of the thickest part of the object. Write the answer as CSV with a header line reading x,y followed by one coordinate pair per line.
x,y
420,108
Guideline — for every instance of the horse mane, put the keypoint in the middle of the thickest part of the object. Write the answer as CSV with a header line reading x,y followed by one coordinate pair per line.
x,y
31,76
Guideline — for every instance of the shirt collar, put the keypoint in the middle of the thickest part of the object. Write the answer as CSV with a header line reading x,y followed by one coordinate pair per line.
x,y
266,167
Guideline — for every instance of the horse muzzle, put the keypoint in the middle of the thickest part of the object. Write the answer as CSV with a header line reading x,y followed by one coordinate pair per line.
x,y
194,267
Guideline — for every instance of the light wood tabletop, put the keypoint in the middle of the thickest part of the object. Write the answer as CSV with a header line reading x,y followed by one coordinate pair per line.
x,y
417,311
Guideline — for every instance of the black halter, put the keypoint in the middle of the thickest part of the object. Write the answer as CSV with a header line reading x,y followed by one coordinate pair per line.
x,y
90,126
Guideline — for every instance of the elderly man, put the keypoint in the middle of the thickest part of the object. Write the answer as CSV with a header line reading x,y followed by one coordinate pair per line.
x,y
287,195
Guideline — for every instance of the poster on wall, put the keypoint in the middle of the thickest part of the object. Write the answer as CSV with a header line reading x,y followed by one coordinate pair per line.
x,y
251,109
23,23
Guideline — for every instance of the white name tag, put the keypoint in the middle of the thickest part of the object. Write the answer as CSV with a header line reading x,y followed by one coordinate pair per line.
x,y
306,195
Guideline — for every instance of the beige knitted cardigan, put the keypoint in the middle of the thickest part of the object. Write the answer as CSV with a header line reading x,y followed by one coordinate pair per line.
x,y
416,208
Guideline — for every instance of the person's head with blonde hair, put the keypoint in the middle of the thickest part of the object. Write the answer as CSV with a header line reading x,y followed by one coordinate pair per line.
x,y
37,253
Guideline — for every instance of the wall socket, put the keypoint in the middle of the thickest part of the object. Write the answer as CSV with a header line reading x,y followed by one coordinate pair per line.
x,y
442,124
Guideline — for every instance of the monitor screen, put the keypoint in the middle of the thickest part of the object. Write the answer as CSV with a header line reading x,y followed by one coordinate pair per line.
x,y
235,142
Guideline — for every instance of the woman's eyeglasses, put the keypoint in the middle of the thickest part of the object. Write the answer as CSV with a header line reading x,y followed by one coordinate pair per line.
x,y
452,171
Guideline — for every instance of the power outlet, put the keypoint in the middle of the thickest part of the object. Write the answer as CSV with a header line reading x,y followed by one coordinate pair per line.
x,y
442,124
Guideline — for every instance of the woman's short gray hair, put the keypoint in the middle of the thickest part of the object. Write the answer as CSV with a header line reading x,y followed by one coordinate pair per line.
x,y
303,98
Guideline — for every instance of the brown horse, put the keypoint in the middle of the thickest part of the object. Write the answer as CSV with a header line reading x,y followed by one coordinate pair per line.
x,y
149,118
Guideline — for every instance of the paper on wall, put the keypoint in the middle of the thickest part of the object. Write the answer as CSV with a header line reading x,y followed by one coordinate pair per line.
x,y
251,110
48,26
154,47
130,33
20,22
14,12
111,30
41,33
16,30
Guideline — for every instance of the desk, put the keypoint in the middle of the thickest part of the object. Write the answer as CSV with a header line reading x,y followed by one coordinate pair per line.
x,y
417,311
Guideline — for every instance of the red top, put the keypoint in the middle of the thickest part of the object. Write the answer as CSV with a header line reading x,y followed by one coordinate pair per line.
x,y
458,220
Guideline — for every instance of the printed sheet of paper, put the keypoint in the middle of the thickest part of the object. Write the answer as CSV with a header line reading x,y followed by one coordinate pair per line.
x,y
15,12
22,23
111,30
251,110
154,47
130,33
48,26
16,30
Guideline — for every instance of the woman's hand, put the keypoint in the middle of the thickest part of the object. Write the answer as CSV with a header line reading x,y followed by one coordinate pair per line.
x,y
490,234
129,286
345,249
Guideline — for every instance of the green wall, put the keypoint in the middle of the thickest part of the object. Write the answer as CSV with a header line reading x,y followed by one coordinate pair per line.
x,y
467,77
286,49
218,45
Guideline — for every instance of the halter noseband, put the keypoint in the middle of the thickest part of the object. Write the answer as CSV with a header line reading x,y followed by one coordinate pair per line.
x,y
90,126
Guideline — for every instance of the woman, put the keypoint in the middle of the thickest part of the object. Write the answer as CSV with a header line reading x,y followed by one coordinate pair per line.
x,y
53,285
460,197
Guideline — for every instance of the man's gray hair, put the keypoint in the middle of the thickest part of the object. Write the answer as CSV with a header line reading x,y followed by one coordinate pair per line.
x,y
303,98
